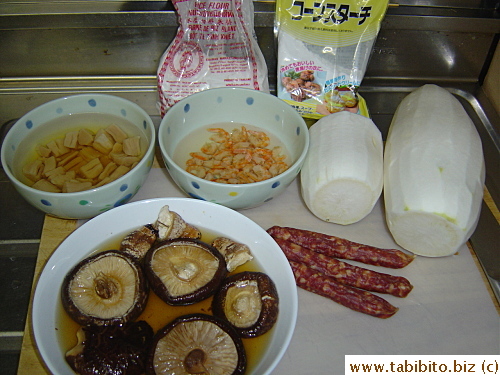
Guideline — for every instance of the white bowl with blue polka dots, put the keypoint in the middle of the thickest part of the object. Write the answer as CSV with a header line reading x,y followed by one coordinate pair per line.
x,y
217,106
88,203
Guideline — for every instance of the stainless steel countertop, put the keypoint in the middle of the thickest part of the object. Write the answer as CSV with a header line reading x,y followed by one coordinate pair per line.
x,y
20,232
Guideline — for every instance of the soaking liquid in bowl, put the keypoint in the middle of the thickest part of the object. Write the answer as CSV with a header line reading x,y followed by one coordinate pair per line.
x,y
195,140
158,313
58,127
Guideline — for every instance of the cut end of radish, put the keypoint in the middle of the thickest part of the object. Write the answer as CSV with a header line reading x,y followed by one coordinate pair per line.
x,y
426,234
343,201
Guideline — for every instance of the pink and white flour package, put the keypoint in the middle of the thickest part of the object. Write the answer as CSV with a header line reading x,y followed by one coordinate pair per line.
x,y
215,46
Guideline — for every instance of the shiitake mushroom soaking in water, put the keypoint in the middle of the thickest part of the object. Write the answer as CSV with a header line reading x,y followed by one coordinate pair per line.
x,y
215,46
323,51
141,308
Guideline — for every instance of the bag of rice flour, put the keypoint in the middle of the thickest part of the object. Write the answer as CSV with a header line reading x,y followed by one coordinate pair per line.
x,y
215,46
323,50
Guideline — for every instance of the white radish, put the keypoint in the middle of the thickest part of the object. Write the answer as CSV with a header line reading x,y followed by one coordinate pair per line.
x,y
341,179
433,173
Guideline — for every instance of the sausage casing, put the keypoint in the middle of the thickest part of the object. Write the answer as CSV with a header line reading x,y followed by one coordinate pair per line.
x,y
341,248
346,273
353,298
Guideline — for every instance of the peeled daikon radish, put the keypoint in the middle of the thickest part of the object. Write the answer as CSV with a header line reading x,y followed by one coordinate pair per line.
x,y
342,176
433,173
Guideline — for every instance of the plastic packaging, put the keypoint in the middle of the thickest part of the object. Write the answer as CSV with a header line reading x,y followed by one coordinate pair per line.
x,y
323,52
215,46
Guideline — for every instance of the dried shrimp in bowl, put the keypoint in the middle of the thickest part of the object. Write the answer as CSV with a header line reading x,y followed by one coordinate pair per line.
x,y
238,157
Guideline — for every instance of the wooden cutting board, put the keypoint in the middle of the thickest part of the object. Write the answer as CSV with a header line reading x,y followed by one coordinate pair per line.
x,y
54,232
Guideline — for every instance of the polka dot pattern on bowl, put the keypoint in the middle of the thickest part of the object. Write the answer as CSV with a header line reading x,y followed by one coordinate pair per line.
x,y
85,204
124,200
228,108
92,103
249,100
119,202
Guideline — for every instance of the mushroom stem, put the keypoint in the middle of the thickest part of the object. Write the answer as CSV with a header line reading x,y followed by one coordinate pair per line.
x,y
195,361
104,286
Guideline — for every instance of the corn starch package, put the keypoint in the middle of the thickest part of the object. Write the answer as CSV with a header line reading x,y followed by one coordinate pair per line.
x,y
323,52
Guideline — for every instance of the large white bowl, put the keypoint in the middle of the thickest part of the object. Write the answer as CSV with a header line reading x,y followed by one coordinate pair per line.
x,y
239,106
88,203
209,216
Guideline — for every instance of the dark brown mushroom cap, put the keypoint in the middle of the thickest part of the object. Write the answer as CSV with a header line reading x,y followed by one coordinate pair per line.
x,y
184,271
249,302
197,344
105,289
112,350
